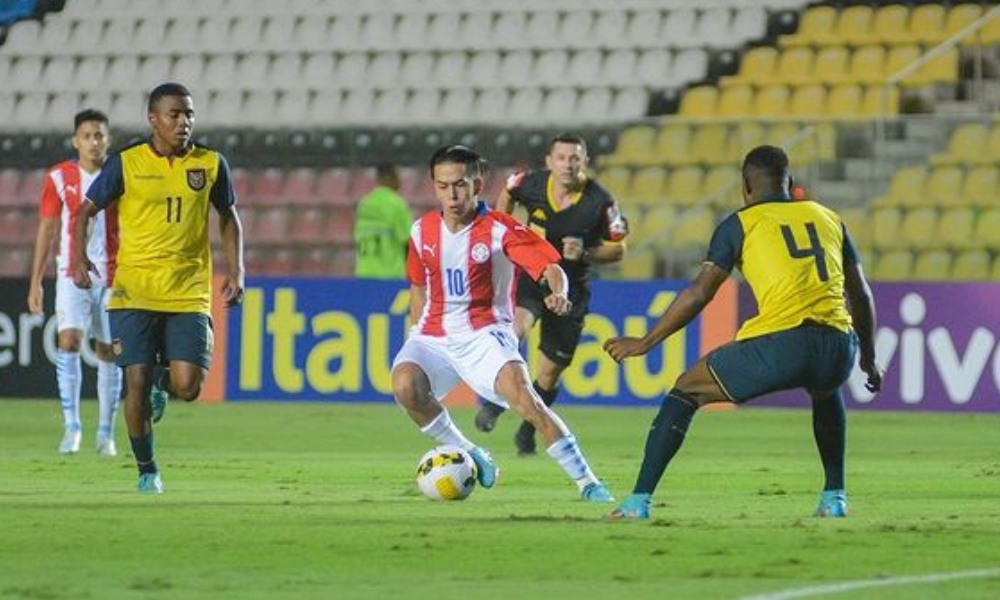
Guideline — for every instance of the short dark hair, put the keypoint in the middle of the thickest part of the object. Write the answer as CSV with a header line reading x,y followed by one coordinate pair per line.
x,y
768,161
568,138
89,114
475,165
385,169
163,90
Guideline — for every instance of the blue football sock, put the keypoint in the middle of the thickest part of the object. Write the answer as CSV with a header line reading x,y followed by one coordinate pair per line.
x,y
664,440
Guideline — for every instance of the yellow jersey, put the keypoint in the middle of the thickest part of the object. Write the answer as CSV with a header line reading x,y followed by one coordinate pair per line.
x,y
164,260
792,254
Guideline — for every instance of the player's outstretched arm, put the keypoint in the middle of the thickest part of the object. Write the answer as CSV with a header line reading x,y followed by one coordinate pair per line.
x,y
862,306
231,231
685,307
558,300
80,266
47,227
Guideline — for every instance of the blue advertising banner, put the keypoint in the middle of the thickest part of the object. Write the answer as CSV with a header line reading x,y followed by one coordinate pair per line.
x,y
334,340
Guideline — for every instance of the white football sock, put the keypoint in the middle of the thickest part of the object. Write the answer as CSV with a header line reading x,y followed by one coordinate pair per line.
x,y
567,453
68,380
445,432
109,390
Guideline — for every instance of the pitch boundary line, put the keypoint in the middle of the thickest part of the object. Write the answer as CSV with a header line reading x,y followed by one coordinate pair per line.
x,y
847,586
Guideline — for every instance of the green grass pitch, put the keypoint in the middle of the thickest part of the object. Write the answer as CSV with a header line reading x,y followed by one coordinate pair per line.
x,y
306,500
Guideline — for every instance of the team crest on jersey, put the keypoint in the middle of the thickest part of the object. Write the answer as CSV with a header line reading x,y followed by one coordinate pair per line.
x,y
197,179
116,347
480,253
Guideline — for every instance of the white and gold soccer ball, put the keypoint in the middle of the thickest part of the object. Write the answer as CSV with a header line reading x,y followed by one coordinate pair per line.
x,y
446,473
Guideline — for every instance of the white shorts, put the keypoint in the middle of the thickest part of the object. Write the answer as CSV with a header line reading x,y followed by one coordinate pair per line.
x,y
86,310
474,358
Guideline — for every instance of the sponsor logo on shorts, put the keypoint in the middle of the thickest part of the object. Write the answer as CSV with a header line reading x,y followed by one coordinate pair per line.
x,y
197,179
480,253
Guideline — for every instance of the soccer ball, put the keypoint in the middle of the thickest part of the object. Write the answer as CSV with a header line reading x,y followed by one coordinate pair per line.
x,y
446,473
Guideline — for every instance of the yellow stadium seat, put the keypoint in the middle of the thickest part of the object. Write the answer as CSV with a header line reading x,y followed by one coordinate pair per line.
x,y
941,69
648,185
986,233
967,142
771,101
654,227
893,266
854,24
988,35
880,101
867,65
859,226
757,65
746,135
973,265
815,28
673,144
932,265
898,58
694,229
825,140
919,229
736,101
943,186
639,264
684,186
887,229
995,271
889,25
955,228
927,24
906,188
844,101
699,101
722,187
616,180
980,189
794,66
782,133
708,144
634,146
960,17
830,66
992,153
808,102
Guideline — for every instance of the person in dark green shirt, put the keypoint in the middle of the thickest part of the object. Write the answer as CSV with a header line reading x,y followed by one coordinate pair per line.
x,y
382,229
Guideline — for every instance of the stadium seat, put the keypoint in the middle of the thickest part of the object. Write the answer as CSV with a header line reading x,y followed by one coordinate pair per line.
x,y
943,186
699,102
830,66
807,102
967,142
749,23
980,188
679,26
634,146
988,35
941,69
10,183
919,229
893,266
933,265
844,101
867,65
746,135
630,103
644,27
271,226
340,227
609,26
735,102
955,230
708,144
859,226
986,233
648,186
308,226
898,58
594,104
693,230
816,28
575,26
616,180
15,262
619,67
757,66
673,144
927,24
971,265
906,188
653,67
525,103
889,25
56,73
684,186
887,229
879,102
284,72
721,187
854,24
640,265
771,101
714,24
653,228
299,187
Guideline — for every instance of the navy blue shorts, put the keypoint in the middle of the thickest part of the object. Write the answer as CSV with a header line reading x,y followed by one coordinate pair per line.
x,y
149,337
814,357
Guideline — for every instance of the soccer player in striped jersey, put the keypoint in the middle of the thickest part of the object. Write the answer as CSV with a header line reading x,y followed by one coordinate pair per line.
x,y
799,261
161,297
79,312
461,265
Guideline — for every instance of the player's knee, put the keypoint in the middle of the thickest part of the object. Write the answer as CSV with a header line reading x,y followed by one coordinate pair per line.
x,y
186,389
406,385
69,343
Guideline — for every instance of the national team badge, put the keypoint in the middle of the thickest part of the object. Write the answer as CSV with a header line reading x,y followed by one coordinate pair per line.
x,y
197,179
116,347
480,253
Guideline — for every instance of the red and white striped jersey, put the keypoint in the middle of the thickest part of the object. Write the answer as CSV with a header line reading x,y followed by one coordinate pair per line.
x,y
63,191
469,274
